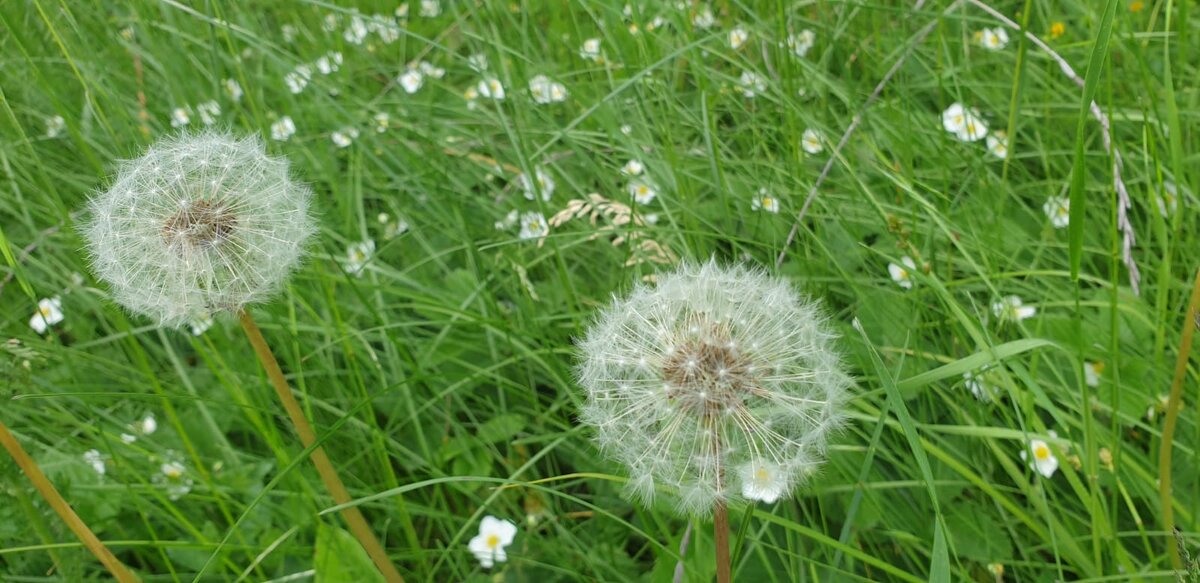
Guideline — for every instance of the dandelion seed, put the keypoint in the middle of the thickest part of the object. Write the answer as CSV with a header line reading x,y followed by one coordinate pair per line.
x,y
411,81
632,168
234,89
208,111
94,458
358,255
430,9
49,313
1092,372
1058,209
1012,309
54,126
751,84
180,117
738,37
642,192
992,39
812,141
801,42
492,89
704,19
544,184
997,144
590,49
719,381
765,202
283,129
199,224
1043,461
344,137
494,535
533,226
902,274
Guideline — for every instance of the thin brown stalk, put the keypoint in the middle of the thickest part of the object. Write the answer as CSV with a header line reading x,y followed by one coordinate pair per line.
x,y
354,518
119,571
1174,403
721,539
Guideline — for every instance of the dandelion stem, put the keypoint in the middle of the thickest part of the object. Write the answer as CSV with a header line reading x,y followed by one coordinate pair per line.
x,y
119,571
354,518
721,539
1190,323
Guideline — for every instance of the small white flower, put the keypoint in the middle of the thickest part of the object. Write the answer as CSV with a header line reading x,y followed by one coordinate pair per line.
x,y
978,385
738,37
964,123
763,481
1058,208
200,324
590,49
330,23
812,141
508,221
127,438
801,42
1092,372
411,81
1159,406
632,168
298,78
283,129
329,63
545,184
49,313
234,89
209,110
703,19
146,426
1012,309
344,137
54,126
1043,459
545,90
394,228
626,129
180,117
751,84
382,122
430,70
430,9
902,274
385,27
402,11
997,144
642,192
356,32
765,202
472,96
173,478
533,226
492,89
478,62
95,459
288,32
993,39
488,545
357,256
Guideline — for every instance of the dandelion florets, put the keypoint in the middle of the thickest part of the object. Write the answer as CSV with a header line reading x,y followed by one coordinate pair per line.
x,y
720,383
199,224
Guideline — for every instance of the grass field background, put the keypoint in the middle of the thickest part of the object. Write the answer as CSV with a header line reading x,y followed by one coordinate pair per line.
x,y
443,369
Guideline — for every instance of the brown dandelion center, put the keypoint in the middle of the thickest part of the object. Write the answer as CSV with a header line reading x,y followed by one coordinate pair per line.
x,y
200,224
708,376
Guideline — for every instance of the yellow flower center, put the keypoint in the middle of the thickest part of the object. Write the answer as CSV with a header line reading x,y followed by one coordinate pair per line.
x,y
1041,452
767,202
493,541
762,475
44,311
958,119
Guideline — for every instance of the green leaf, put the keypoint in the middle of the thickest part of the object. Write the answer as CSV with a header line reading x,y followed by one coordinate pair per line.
x,y
339,558
972,362
939,567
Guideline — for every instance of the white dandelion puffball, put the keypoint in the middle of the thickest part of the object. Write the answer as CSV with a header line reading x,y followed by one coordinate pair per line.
x,y
199,224
720,383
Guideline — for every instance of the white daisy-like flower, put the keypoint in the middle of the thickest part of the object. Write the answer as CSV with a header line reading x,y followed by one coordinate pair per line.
x,y
1012,309
288,32
344,137
765,202
200,324
478,62
642,192
590,49
329,63
331,21
357,256
54,126
978,385
401,11
283,129
488,545
146,426
430,70
392,229
751,84
703,19
813,141
234,89
128,438
902,274
1058,208
764,481
356,32
1043,461
997,144
94,458
382,122
626,129
298,78
508,221
491,88
533,226
545,90
993,39
1092,372
180,117
411,80
385,27
208,111
738,37
544,184
964,123
49,313
430,9
801,42
633,168
471,95
173,478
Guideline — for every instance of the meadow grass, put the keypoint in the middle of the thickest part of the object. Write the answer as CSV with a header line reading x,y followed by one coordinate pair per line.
x,y
438,368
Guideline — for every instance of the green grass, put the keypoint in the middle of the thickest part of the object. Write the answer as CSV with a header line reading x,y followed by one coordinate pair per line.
x,y
441,379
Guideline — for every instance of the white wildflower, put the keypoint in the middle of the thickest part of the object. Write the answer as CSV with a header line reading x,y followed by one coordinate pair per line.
x,y
49,313
208,111
1043,459
765,202
642,192
590,49
801,42
411,81
965,124
902,274
751,84
976,382
344,137
488,545
430,70
508,221
357,256
173,478
1092,372
813,141
180,117
356,32
738,37
1058,209
543,183
382,122
545,90
94,458
478,62
997,144
632,168
234,89
533,226
200,323
430,9
491,88
764,481
1012,309
329,63
288,32
704,19
993,39
54,126
298,78
283,129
